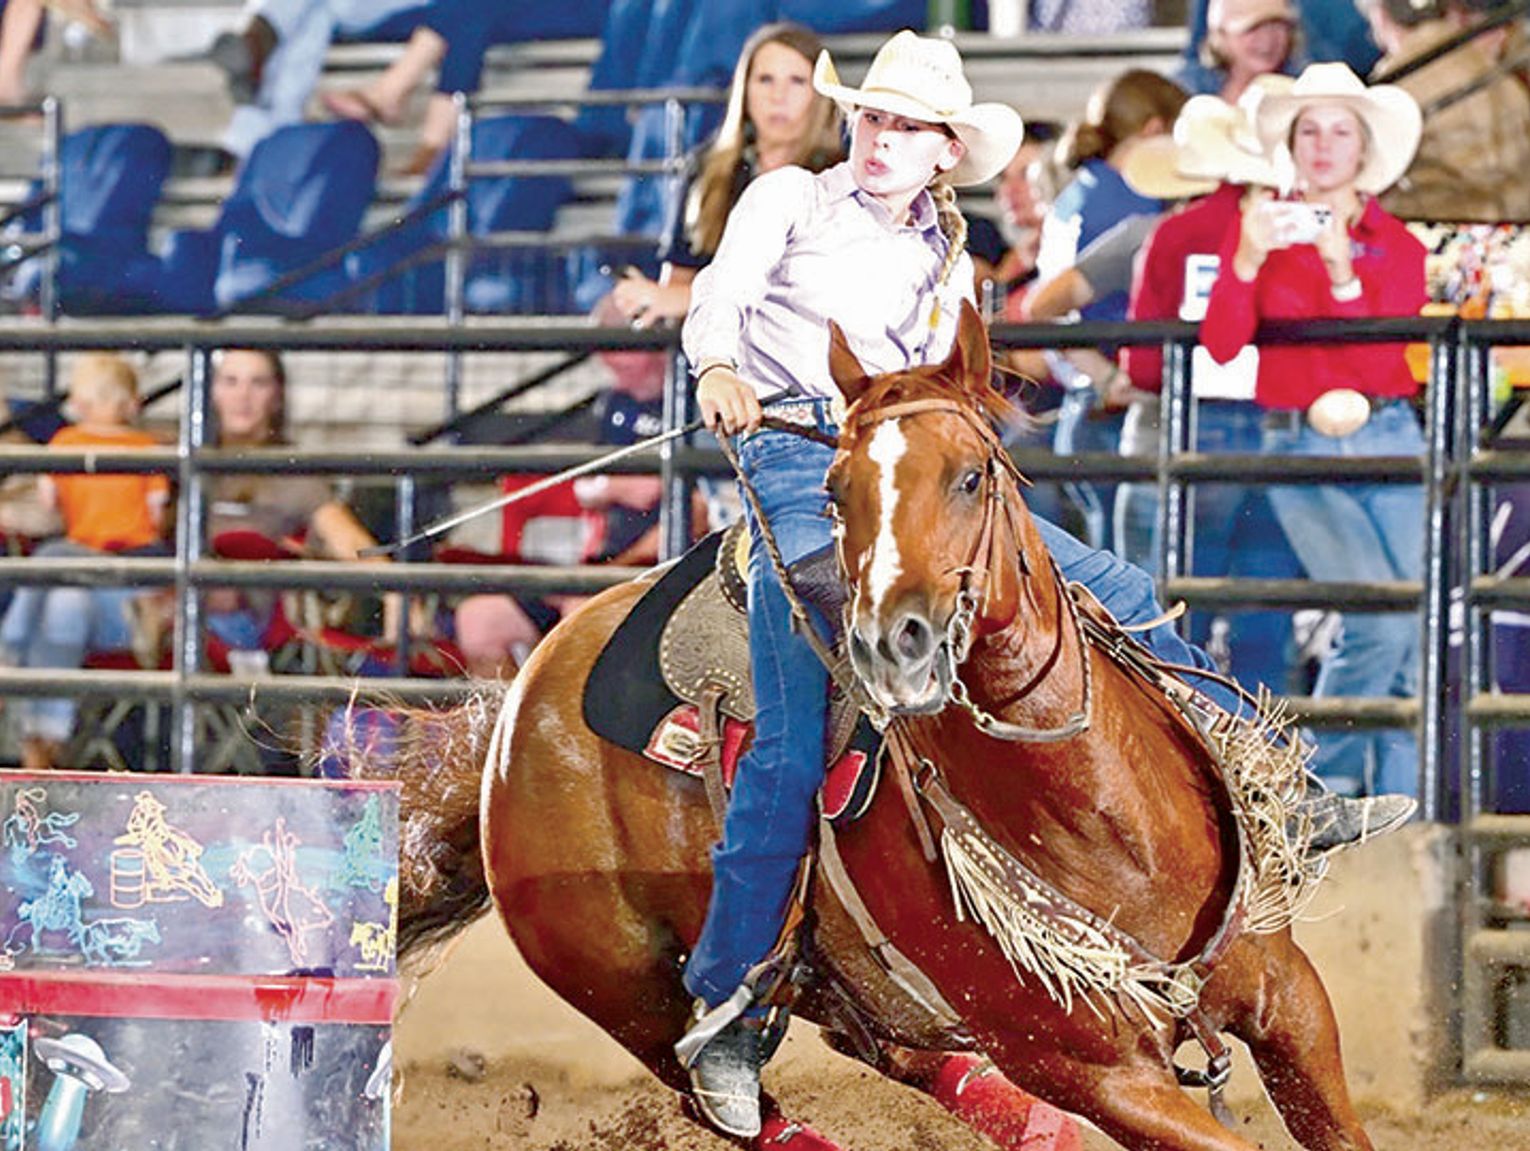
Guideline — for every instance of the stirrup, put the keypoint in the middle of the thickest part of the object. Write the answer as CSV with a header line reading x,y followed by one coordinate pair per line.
x,y
724,1070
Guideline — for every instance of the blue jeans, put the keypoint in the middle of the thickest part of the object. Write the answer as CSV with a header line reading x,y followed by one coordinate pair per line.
x,y
305,29
1080,429
770,816
54,627
1235,534
1364,532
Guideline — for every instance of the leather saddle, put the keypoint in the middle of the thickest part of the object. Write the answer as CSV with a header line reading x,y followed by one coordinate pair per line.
x,y
684,649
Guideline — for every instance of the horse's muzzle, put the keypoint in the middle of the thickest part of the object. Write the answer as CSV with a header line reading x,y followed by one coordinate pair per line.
x,y
903,667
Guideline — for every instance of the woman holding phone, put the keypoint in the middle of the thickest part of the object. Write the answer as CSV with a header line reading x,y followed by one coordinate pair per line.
x,y
1331,251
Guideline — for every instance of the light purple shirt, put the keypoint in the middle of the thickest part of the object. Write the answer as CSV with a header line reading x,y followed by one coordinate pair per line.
x,y
800,250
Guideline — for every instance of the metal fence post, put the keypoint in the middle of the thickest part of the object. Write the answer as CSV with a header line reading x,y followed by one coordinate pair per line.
x,y
678,486
53,227
1176,436
1434,621
191,527
456,236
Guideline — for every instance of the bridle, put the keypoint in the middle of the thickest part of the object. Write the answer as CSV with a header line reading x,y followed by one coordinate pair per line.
x,y
1000,488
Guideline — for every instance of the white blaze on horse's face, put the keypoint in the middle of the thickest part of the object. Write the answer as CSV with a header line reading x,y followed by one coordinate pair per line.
x,y
892,646
888,446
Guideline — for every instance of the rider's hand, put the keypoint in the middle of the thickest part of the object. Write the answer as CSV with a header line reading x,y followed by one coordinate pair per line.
x,y
728,405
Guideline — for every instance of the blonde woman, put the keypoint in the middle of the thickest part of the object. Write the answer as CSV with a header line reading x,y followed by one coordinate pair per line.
x,y
774,119
1333,251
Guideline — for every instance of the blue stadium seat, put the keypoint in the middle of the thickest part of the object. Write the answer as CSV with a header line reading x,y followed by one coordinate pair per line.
x,y
110,177
607,131
302,193
506,281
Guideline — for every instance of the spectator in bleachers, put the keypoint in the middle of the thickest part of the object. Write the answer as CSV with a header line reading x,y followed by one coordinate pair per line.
x,y
1475,152
21,29
1022,195
496,632
1213,154
274,63
774,118
1244,39
300,513
1330,29
116,514
1334,252
453,37
1133,107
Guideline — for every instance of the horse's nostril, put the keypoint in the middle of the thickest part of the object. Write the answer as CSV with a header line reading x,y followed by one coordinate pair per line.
x,y
913,640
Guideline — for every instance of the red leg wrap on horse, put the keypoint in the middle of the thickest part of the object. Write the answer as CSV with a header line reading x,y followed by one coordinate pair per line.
x,y
974,1091
781,1134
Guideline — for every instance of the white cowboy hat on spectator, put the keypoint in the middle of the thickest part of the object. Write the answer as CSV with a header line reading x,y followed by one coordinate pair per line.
x,y
1235,16
921,78
1392,120
1213,142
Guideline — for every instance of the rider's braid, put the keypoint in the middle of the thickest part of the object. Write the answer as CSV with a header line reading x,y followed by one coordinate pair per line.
x,y
953,225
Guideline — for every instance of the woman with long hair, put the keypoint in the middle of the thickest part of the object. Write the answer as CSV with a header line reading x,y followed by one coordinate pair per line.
x,y
774,119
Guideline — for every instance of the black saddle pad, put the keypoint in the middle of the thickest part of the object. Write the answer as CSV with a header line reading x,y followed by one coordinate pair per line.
x,y
625,695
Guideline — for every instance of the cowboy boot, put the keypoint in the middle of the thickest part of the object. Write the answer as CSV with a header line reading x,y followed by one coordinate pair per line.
x,y
725,1077
1339,822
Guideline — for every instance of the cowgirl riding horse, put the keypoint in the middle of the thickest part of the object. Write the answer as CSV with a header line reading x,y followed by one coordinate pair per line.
x,y
876,245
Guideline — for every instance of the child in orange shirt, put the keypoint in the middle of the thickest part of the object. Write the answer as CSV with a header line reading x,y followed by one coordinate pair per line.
x,y
53,627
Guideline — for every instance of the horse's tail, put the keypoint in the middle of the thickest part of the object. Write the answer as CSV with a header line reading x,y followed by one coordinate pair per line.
x,y
438,756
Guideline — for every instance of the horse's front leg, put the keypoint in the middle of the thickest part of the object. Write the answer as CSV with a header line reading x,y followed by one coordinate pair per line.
x,y
1136,1101
1290,1030
974,1090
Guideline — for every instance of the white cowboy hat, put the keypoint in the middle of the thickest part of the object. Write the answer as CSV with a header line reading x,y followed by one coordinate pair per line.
x,y
1237,16
921,78
1391,117
1213,142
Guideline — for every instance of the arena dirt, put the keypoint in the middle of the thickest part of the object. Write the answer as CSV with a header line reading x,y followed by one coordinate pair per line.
x,y
492,1060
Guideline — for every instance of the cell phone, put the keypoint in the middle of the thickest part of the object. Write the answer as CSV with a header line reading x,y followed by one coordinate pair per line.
x,y
1296,222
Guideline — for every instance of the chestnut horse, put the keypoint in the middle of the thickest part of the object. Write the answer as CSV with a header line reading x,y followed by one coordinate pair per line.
x,y
597,860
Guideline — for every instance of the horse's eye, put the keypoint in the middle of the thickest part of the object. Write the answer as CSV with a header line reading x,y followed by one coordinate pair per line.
x,y
971,482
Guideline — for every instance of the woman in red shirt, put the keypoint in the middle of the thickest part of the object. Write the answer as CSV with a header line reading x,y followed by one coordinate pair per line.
x,y
1333,251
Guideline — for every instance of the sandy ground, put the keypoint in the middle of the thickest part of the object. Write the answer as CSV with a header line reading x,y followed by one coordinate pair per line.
x,y
551,1081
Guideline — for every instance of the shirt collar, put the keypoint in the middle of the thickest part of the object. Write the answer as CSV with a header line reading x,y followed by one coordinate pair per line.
x,y
839,183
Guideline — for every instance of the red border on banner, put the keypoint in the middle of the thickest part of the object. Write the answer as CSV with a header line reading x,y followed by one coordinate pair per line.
x,y
140,779
296,999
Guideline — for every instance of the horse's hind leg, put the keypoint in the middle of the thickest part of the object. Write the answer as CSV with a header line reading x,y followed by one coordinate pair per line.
x,y
1295,1042
977,1093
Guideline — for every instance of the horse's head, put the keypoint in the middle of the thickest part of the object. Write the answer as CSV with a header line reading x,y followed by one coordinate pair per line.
x,y
927,518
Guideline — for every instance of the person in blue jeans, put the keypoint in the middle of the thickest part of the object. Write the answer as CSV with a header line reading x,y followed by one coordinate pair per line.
x,y
274,64
875,244
454,36
1348,143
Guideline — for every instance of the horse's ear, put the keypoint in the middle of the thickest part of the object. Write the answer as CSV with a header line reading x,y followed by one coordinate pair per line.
x,y
844,368
970,363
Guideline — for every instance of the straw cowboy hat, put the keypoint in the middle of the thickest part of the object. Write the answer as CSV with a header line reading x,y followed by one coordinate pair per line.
x,y
921,78
1213,141
1391,117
